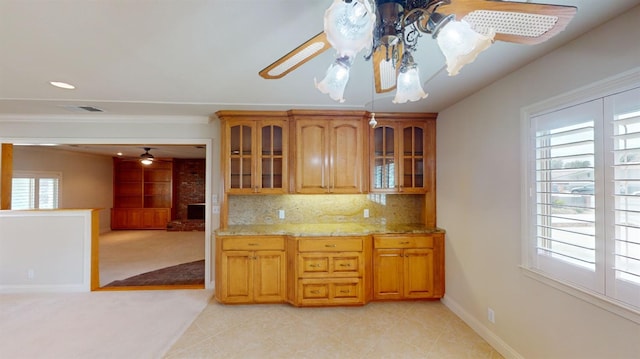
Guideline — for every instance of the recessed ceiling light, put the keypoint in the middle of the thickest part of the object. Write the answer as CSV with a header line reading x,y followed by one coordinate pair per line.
x,y
62,85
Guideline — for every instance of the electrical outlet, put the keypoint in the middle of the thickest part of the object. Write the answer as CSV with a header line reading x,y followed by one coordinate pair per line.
x,y
281,213
31,274
491,315
366,213
216,209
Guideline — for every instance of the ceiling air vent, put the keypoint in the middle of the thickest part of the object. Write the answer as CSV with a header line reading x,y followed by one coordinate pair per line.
x,y
83,108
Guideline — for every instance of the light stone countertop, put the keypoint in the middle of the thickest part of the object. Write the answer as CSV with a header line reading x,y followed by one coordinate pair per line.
x,y
333,229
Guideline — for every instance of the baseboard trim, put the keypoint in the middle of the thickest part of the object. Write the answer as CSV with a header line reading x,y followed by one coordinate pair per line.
x,y
64,288
496,342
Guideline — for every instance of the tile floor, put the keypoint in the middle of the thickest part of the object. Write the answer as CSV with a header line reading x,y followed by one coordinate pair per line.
x,y
421,329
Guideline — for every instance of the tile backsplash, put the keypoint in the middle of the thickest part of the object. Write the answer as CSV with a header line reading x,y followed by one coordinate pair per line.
x,y
334,208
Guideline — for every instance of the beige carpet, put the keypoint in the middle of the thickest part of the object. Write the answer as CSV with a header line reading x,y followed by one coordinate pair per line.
x,y
120,324
124,254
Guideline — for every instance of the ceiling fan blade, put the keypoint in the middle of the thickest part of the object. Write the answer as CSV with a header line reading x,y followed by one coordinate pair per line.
x,y
386,67
300,55
523,23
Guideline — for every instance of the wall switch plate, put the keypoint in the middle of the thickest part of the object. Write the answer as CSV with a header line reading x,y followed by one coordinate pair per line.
x,y
216,209
281,213
366,213
491,315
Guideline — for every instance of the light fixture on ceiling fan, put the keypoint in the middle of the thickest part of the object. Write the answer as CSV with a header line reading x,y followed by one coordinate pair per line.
x,y
390,30
146,158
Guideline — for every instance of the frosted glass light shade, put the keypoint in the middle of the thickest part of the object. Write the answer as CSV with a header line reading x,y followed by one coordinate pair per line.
x,y
336,79
408,87
349,26
461,45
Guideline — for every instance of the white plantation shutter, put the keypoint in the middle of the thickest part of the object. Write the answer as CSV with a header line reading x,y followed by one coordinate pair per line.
x,y
23,193
584,181
623,128
565,231
35,190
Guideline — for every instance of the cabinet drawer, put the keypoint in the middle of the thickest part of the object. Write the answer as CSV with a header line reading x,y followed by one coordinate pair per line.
x,y
331,291
251,243
336,265
403,242
338,244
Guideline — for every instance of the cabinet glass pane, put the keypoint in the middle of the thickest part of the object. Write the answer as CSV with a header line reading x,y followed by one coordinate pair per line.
x,y
384,169
272,173
418,144
418,172
272,140
389,141
407,176
235,173
234,140
246,173
246,140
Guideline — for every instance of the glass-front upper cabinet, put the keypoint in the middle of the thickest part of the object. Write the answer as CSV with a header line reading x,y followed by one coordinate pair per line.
x,y
254,152
402,157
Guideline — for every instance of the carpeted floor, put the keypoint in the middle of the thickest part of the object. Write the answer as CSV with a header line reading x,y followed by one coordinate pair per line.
x,y
181,274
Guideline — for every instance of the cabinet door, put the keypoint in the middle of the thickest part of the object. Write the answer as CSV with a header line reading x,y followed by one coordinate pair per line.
x,y
412,174
384,173
237,277
272,157
240,152
388,273
346,156
269,271
418,273
312,156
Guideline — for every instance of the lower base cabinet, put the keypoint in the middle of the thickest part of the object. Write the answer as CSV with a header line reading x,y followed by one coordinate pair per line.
x,y
408,267
327,271
140,218
250,269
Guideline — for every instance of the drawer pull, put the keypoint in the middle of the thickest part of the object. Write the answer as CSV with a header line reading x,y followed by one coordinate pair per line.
x,y
314,265
253,244
406,242
330,245
315,291
344,291
345,265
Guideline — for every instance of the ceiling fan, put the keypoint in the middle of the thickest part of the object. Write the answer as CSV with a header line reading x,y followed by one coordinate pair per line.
x,y
389,30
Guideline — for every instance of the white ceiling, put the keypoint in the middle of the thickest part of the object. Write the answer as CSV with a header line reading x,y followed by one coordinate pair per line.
x,y
195,57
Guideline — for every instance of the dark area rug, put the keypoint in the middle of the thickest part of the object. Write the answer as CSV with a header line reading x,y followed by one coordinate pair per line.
x,y
181,274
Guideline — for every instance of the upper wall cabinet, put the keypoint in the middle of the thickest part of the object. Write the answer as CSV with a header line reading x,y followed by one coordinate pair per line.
x,y
402,153
329,151
254,151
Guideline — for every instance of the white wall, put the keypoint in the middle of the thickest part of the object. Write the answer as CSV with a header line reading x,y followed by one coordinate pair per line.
x,y
479,173
87,180
45,250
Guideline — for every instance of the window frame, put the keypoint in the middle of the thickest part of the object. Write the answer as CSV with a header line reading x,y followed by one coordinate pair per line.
x,y
599,90
37,175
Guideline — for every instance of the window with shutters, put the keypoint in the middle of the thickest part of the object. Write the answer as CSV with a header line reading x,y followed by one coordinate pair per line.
x,y
582,224
35,190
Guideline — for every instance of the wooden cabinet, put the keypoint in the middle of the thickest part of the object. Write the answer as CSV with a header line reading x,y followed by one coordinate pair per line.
x,y
325,271
329,152
402,154
408,266
142,195
254,151
250,269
